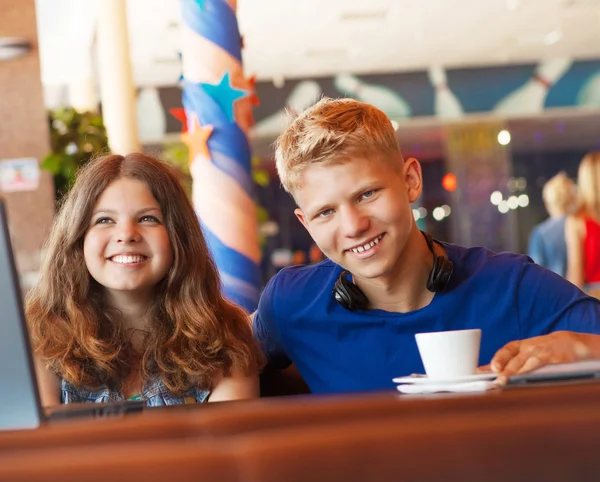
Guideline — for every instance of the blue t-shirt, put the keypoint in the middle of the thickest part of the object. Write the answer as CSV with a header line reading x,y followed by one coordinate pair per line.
x,y
337,350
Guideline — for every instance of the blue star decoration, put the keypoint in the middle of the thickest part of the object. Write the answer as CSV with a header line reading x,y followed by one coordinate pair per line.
x,y
225,95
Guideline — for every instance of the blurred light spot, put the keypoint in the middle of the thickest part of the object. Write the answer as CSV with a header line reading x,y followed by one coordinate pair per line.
x,y
438,214
521,183
496,198
449,182
523,200
504,137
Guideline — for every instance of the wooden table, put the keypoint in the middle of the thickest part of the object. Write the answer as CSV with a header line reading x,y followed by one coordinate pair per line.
x,y
544,430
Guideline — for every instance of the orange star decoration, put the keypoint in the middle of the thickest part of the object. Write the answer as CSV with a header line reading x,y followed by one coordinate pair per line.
x,y
179,114
253,97
197,140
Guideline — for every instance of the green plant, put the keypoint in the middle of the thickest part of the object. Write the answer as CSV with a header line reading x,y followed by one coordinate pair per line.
x,y
74,138
177,154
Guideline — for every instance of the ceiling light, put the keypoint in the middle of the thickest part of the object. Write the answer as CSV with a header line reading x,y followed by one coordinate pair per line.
x,y
552,37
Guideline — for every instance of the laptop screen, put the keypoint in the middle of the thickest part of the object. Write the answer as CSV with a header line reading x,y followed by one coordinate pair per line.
x,y
19,398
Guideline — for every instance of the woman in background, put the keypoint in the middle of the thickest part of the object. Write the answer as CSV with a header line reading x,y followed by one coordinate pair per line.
x,y
583,228
547,244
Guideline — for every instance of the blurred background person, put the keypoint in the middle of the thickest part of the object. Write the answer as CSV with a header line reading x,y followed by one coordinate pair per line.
x,y
583,228
547,244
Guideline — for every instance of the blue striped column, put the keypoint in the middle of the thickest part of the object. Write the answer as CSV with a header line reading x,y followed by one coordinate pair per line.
x,y
217,102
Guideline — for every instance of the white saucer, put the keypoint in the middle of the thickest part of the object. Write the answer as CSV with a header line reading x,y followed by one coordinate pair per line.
x,y
417,379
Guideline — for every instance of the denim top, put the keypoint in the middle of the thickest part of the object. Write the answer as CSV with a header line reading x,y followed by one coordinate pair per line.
x,y
548,247
154,393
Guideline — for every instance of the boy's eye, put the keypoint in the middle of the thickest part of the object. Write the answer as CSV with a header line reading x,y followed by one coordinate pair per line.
x,y
325,213
368,194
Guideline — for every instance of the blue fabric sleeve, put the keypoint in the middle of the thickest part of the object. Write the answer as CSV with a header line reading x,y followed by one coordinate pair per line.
x,y
265,327
536,247
547,302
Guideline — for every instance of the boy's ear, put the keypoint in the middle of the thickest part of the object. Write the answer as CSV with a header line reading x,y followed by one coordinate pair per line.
x,y
413,176
301,217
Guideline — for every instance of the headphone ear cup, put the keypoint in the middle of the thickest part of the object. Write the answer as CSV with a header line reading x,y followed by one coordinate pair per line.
x,y
432,275
440,271
440,274
341,295
348,294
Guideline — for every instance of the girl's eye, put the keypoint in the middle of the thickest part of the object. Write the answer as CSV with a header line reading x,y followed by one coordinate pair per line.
x,y
149,219
103,220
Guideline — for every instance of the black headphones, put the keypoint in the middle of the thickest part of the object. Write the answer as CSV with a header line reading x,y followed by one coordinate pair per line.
x,y
350,296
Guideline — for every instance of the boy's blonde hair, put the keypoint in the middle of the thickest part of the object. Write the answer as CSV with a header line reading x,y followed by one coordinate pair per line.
x,y
588,179
332,131
560,193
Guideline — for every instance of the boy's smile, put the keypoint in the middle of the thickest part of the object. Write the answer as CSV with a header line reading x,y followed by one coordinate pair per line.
x,y
358,212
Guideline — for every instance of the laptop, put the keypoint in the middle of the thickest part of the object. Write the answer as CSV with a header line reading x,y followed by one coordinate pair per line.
x,y
558,372
20,406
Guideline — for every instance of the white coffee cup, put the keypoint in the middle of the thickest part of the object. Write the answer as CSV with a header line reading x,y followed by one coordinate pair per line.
x,y
449,354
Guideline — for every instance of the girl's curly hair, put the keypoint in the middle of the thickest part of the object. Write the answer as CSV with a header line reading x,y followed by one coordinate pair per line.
x,y
197,336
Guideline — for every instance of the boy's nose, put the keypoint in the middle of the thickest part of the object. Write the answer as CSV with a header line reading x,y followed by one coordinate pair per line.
x,y
355,223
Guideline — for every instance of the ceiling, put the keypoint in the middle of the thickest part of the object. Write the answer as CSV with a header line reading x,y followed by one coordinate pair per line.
x,y
307,38
287,39
314,37
560,130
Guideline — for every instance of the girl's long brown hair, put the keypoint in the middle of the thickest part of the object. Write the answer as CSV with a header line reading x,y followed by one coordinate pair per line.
x,y
197,335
